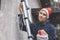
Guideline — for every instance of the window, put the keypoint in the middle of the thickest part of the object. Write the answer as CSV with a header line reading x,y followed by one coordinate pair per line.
x,y
55,3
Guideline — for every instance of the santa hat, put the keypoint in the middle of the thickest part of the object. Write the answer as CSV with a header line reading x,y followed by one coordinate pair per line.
x,y
48,11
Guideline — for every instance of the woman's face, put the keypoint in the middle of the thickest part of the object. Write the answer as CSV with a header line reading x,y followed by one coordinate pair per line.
x,y
42,16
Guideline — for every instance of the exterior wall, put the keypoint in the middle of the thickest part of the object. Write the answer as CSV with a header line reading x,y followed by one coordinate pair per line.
x,y
9,29
34,3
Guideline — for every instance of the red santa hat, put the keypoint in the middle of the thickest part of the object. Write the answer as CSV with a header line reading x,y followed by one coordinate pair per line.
x,y
48,11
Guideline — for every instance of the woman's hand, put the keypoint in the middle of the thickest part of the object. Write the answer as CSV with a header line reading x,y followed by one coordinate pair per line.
x,y
42,32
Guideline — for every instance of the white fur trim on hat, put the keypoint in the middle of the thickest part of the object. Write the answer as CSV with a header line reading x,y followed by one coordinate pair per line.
x,y
46,11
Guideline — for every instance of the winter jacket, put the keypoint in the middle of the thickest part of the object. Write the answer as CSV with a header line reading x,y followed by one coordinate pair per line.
x,y
47,26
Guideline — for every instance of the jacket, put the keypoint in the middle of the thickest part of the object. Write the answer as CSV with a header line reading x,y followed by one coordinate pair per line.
x,y
47,26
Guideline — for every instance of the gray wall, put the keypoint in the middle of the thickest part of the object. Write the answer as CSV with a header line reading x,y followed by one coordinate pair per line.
x,y
34,3
9,29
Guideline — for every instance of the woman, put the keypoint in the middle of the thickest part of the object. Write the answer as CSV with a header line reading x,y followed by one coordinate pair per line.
x,y
44,24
